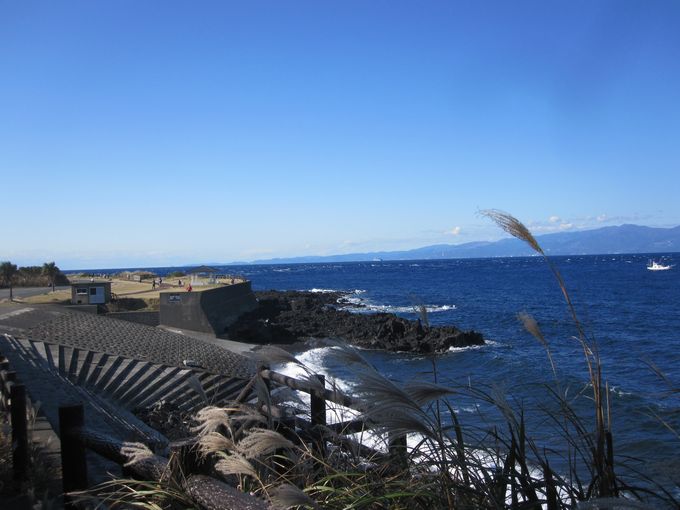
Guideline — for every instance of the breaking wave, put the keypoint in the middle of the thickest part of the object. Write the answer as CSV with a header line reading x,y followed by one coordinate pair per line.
x,y
330,291
356,304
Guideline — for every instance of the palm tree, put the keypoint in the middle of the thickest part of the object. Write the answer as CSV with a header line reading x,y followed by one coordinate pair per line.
x,y
7,273
50,270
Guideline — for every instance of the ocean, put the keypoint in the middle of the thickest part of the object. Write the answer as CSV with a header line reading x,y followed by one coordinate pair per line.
x,y
631,315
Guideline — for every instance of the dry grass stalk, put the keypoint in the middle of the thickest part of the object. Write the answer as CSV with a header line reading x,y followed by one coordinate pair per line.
x,y
235,464
514,227
136,452
211,419
273,354
260,442
347,354
214,442
286,495
424,392
604,482
532,327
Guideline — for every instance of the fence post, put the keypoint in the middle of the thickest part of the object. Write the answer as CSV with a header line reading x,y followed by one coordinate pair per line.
x,y
19,432
318,404
397,448
73,462
264,397
318,415
10,377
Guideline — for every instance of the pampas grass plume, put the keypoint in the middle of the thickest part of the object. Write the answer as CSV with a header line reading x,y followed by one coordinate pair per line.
x,y
260,442
235,464
514,227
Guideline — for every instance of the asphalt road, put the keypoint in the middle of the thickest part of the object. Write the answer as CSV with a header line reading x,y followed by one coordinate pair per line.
x,y
29,291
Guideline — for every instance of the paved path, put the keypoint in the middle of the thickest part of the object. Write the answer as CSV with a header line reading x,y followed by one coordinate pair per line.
x,y
22,292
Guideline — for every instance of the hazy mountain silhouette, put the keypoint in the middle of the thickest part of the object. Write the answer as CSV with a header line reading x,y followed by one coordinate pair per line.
x,y
621,239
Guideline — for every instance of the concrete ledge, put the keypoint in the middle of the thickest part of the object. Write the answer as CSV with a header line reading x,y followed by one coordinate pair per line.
x,y
84,308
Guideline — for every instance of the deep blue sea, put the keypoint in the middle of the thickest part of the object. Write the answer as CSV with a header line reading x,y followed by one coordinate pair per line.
x,y
631,314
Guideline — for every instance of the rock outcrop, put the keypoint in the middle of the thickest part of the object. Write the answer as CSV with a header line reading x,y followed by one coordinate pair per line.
x,y
292,316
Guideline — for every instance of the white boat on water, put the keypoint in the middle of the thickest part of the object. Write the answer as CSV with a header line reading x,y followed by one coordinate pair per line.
x,y
655,266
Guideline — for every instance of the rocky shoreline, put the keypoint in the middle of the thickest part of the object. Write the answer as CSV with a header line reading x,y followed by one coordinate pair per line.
x,y
288,317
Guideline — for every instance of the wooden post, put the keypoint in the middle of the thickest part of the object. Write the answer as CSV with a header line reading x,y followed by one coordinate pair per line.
x,y
318,415
9,379
19,432
318,404
264,398
267,384
73,462
397,448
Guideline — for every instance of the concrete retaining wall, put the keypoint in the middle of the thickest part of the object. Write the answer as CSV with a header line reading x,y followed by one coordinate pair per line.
x,y
84,308
210,311
148,318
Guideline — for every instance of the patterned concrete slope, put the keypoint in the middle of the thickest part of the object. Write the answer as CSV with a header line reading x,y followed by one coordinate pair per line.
x,y
114,367
52,389
47,391
137,341
127,383
130,364
17,318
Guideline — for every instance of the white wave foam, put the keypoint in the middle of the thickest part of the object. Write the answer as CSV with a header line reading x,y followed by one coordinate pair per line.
x,y
355,303
314,361
328,291
618,391
488,343
361,306
468,409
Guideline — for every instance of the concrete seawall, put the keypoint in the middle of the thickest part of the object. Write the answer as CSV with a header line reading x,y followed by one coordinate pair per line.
x,y
210,310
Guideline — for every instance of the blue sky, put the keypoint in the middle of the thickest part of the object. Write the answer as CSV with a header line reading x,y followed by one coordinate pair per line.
x,y
164,133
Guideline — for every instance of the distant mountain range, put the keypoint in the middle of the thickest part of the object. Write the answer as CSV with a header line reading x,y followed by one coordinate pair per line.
x,y
621,239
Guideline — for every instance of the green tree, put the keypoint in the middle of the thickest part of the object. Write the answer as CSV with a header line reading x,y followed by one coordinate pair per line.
x,y
7,272
50,270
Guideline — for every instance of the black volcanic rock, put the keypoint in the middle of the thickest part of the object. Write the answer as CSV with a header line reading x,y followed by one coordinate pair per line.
x,y
290,316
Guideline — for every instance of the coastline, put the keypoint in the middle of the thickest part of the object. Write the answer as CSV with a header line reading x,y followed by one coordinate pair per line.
x,y
292,317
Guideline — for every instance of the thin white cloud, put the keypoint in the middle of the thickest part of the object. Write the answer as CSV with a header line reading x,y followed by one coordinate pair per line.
x,y
453,232
556,223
